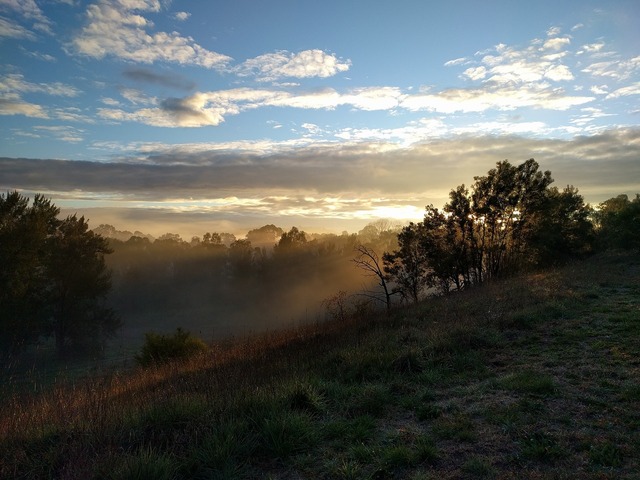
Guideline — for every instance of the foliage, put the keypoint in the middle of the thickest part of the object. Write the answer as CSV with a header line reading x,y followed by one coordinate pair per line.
x,y
509,219
54,279
163,348
272,406
618,223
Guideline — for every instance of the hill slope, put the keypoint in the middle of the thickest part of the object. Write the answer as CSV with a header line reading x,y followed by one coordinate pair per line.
x,y
534,377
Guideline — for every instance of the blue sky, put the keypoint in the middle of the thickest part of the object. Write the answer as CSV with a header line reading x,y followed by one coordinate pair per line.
x,y
194,116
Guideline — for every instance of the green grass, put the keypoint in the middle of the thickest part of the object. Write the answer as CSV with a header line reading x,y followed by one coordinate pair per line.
x,y
533,377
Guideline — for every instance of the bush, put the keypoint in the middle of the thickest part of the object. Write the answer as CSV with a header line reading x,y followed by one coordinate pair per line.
x,y
159,348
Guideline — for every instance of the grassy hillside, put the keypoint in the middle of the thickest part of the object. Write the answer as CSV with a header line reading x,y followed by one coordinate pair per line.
x,y
535,377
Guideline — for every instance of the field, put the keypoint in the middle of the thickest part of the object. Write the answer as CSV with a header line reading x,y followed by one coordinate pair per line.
x,y
531,377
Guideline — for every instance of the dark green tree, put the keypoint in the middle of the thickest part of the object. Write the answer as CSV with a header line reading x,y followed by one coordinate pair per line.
x,y
79,283
562,228
618,223
407,265
510,219
25,238
53,280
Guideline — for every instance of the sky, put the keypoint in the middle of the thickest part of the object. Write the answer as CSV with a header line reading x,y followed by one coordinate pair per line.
x,y
199,116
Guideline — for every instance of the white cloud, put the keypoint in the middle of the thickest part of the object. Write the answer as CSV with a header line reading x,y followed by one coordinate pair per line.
x,y
114,29
599,89
374,98
475,73
505,65
137,97
618,69
456,62
11,104
15,82
556,43
112,102
71,114
558,73
182,16
311,128
591,48
503,128
13,85
504,98
12,30
283,64
553,31
29,10
40,56
62,132
633,89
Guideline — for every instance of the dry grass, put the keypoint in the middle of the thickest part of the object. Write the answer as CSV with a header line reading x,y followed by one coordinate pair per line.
x,y
535,377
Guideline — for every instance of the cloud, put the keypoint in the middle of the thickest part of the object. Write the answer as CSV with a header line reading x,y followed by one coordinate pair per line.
x,y
455,62
182,16
40,56
283,64
617,69
591,48
13,85
600,165
475,73
633,89
197,187
502,99
556,43
64,133
137,97
211,108
14,105
171,80
11,30
29,10
115,28
599,89
15,82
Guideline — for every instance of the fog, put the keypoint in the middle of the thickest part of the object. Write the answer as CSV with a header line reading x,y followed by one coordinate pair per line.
x,y
218,286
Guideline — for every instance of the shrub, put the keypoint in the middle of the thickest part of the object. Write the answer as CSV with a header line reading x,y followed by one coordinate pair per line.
x,y
160,348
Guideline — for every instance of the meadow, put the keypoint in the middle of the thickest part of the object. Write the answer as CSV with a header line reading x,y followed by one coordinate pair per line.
x,y
535,376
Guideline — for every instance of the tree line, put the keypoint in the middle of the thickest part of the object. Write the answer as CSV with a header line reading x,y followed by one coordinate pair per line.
x,y
508,220
61,280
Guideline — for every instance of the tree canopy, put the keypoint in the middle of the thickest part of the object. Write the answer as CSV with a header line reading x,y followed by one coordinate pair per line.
x,y
509,219
54,280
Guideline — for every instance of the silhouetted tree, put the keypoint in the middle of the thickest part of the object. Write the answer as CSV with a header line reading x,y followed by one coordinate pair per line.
x,y
53,279
265,236
291,240
562,228
79,283
509,219
407,265
25,240
369,261
618,223
241,258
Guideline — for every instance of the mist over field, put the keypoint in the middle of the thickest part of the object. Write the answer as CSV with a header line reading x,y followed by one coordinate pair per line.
x,y
217,291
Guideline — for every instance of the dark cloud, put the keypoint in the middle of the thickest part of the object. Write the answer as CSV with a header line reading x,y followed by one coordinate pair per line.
x,y
171,80
324,184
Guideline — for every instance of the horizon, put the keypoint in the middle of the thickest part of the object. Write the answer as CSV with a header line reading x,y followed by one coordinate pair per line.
x,y
197,117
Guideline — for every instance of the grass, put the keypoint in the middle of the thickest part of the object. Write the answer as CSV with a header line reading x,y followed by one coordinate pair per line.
x,y
534,377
